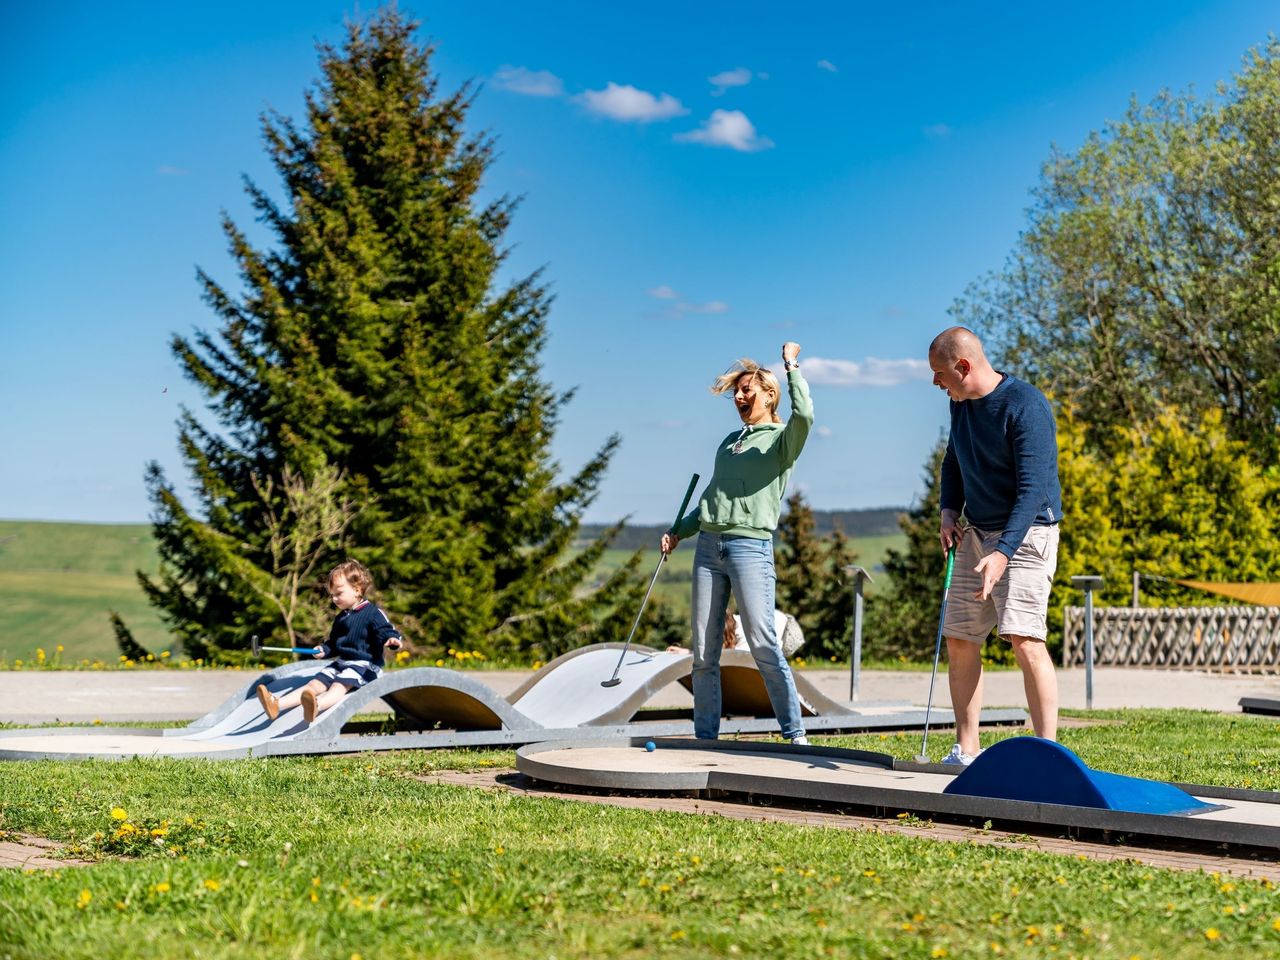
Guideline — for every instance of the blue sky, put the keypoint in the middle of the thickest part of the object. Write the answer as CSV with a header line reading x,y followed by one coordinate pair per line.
x,y
699,184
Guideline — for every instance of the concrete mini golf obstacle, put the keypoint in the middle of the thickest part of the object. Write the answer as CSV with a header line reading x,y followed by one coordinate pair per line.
x,y
448,708
1009,782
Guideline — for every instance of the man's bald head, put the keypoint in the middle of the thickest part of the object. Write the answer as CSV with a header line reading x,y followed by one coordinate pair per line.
x,y
958,343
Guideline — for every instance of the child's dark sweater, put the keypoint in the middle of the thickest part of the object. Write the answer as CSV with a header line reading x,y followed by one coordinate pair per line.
x,y
359,633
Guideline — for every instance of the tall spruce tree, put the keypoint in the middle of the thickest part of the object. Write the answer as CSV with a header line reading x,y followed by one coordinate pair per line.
x,y
371,339
812,584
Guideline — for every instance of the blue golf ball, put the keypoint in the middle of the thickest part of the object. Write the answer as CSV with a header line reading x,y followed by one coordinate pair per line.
x,y
650,746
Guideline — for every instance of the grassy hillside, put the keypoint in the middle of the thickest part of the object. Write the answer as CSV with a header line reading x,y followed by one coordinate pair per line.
x,y
58,580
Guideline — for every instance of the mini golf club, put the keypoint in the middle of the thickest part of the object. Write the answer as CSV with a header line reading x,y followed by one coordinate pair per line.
x,y
256,645
937,651
613,681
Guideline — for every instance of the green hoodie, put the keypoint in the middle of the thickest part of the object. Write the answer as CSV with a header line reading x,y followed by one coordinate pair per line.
x,y
744,497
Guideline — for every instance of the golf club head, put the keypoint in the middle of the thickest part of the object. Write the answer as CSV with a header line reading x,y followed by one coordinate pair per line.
x,y
921,758
612,682
256,646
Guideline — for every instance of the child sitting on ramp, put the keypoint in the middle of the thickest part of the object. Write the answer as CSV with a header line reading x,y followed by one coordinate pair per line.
x,y
359,635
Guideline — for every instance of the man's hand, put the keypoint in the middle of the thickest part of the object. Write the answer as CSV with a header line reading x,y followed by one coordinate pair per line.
x,y
950,533
669,542
992,568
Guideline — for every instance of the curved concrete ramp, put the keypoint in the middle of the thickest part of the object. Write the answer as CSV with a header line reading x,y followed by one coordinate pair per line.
x,y
855,778
449,708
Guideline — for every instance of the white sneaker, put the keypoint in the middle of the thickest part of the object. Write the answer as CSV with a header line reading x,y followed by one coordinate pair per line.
x,y
800,741
959,758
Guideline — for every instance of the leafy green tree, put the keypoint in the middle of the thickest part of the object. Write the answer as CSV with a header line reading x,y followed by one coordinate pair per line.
x,y
1147,274
371,339
812,584
1180,499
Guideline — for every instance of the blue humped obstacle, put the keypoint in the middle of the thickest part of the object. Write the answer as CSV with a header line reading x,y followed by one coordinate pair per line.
x,y
1035,770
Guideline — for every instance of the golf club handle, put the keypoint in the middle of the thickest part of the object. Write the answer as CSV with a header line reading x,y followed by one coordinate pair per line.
x,y
951,563
688,495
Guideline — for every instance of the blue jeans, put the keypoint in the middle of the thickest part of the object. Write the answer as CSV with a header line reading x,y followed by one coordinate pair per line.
x,y
744,565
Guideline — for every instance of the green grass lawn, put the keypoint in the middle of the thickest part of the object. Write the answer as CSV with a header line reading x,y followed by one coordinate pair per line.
x,y
338,857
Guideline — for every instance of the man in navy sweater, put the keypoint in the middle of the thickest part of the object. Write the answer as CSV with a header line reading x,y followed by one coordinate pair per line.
x,y
1001,473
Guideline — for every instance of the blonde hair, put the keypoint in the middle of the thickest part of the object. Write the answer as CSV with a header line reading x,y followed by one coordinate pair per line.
x,y
762,377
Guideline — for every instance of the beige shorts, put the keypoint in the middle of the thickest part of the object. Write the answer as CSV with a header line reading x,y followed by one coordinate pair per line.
x,y
1019,603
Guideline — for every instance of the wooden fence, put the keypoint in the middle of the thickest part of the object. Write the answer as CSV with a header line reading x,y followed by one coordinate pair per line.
x,y
1227,639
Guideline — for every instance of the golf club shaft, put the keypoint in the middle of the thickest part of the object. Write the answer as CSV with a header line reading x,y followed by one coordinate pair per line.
x,y
937,650
292,649
688,494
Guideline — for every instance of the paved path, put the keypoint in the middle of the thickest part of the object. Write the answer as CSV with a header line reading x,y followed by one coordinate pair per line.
x,y
40,696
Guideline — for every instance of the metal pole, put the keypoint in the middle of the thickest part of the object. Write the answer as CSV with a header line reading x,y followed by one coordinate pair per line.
x,y
1089,584
1137,577
860,576
1088,648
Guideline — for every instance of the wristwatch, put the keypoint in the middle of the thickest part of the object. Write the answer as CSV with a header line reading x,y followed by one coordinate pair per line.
x,y
791,364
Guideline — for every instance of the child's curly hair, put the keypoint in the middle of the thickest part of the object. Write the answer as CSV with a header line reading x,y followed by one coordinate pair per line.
x,y
355,573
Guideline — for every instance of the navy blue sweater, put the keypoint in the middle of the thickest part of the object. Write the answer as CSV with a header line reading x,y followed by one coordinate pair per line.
x,y
359,633
1001,467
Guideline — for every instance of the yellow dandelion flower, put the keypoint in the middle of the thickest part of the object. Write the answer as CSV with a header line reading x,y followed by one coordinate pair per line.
x,y
938,952
121,905
1228,910
1212,934
118,813
1275,924
212,885
82,901
908,927
679,935
162,887
499,850
868,872
664,888
314,897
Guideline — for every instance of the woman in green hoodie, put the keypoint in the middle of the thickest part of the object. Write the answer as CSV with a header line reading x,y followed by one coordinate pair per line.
x,y
736,517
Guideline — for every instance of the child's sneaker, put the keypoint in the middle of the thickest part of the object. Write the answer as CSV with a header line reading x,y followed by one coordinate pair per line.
x,y
269,703
308,705
959,758
800,741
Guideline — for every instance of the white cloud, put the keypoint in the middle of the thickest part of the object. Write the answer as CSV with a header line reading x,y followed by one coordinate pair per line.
x,y
711,306
872,372
531,83
828,66
937,131
728,128
822,430
629,104
722,81
682,307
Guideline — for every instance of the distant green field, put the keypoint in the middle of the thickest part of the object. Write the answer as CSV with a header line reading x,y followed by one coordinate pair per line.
x,y
58,580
